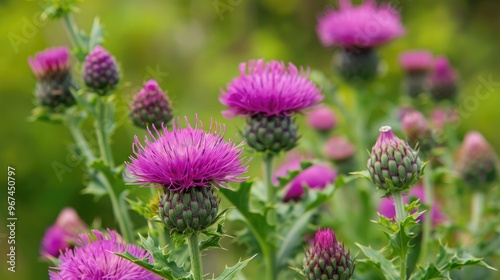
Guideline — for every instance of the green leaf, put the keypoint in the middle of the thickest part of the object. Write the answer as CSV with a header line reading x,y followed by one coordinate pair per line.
x,y
293,239
214,238
230,272
95,189
257,222
96,34
378,260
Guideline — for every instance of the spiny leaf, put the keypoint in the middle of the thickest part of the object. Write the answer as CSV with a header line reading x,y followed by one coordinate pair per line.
x,y
230,272
378,260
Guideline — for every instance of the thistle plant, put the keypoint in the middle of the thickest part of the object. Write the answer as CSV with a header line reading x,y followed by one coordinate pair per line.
x,y
189,172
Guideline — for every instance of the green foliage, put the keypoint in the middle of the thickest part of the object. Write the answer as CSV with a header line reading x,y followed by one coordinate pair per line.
x,y
55,9
230,272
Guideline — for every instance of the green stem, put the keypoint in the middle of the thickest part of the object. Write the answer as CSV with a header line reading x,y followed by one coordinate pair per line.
x,y
73,31
400,206
270,254
102,137
400,216
80,140
195,254
119,212
477,210
268,170
427,227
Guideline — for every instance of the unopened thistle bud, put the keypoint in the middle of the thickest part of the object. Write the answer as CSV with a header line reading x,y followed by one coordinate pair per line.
x,y
194,209
271,134
417,131
54,85
444,81
100,72
327,259
477,162
150,106
393,165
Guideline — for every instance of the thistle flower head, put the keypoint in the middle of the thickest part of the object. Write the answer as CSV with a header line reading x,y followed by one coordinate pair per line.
x,y
477,162
317,176
327,259
59,236
416,61
100,71
444,80
51,62
363,26
322,119
393,160
182,158
52,70
94,259
269,89
150,106
55,240
339,149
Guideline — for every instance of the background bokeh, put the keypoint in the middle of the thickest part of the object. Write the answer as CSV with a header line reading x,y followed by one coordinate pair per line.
x,y
193,50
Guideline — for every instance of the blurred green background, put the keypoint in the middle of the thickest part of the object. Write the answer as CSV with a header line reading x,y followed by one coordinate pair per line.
x,y
193,50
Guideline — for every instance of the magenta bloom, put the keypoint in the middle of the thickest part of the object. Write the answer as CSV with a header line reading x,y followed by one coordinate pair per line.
x,y
388,209
51,62
187,157
270,89
55,240
317,176
416,61
363,26
443,72
322,119
338,148
58,237
94,259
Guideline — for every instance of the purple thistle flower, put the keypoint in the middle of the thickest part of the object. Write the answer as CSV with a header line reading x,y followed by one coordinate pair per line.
x,y
387,207
54,81
182,158
322,119
363,26
477,162
55,240
317,176
327,258
51,62
269,89
416,129
416,61
94,259
444,80
58,237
